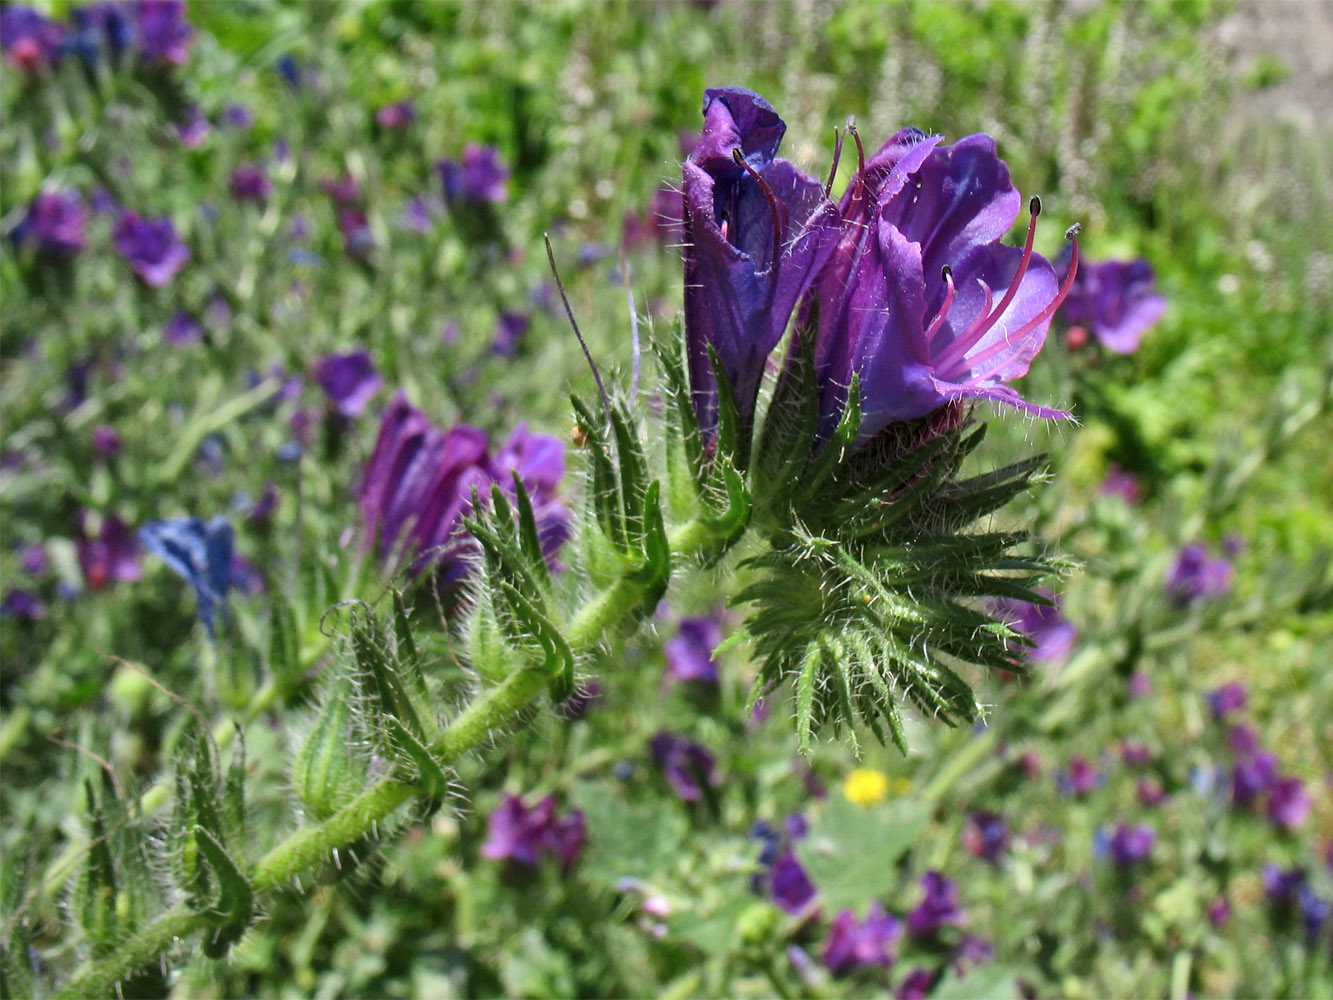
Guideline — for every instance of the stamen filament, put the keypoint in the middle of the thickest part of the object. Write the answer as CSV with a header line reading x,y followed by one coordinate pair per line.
x,y
837,155
774,206
938,322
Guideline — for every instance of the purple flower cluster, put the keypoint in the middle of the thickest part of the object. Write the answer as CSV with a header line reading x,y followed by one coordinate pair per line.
x,y
478,177
938,907
1290,894
350,381
904,272
1116,300
156,29
523,835
418,487
1255,778
687,766
151,247
1197,575
54,225
861,944
689,653
1129,845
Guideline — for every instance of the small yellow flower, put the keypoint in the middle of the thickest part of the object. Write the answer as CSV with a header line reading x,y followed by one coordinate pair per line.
x,y
865,787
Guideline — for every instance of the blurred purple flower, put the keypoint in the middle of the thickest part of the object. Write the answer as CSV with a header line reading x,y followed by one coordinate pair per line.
x,y
1131,844
238,116
1242,740
33,559
908,301
1196,575
757,235
916,985
398,115
98,25
151,247
194,130
789,886
112,554
417,215
201,554
689,653
972,951
358,237
1150,793
479,177
289,69
1289,803
1080,778
938,907
1219,911
510,329
853,945
106,440
163,31
344,191
1116,300
249,183
1052,635
1252,776
521,835
30,40
350,381
1140,685
539,460
22,604
182,330
261,514
986,835
55,224
661,223
1228,698
687,766
1134,753
1121,483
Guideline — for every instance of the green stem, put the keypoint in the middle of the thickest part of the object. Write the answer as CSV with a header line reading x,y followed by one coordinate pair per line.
x,y
97,978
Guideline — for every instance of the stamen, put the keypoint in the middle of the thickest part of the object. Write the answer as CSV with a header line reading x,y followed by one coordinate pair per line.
x,y
774,206
860,160
938,322
837,155
569,311
961,345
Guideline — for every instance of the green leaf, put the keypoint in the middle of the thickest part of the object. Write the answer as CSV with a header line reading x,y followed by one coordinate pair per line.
x,y
236,897
559,658
429,776
284,641
96,891
633,471
605,487
322,773
370,644
852,851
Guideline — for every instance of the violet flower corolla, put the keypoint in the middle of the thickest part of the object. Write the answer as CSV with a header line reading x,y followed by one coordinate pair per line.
x,y
111,554
523,835
938,907
1129,845
861,944
201,554
909,302
248,182
151,247
54,226
30,40
349,380
687,766
916,985
689,653
163,34
1116,300
1051,634
790,887
1197,575
478,177
757,234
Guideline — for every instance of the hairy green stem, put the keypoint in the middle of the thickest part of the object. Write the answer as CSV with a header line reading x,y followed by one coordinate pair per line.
x,y
96,978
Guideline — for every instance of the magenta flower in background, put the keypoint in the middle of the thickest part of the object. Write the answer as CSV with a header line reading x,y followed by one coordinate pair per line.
x,y
1134,753
106,440
33,559
1242,739
350,381
1219,911
789,886
111,554
510,329
689,653
1121,483
151,247
909,302
1052,635
55,224
344,191
1289,803
249,183
479,177
1150,793
398,115
758,232
523,835
986,835
1196,575
1116,300
182,330
1252,776
1130,845
938,907
163,33
194,130
916,985
30,40
687,766
1228,698
1080,779
861,944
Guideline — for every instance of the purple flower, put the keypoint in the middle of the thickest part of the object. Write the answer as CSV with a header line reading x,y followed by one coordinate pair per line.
x,y
1288,803
510,329
22,604
916,985
1131,844
1116,300
33,560
106,440
182,330
30,40
350,381
194,130
262,512
539,460
1051,634
757,234
1252,776
250,183
853,945
661,222
938,907
1219,911
151,247
789,886
398,115
689,653
1241,740
358,237
164,33
1196,575
1150,792
1080,779
1140,685
1121,483
344,191
418,216
1226,699
972,951
96,25
908,303
238,116
112,554
200,553
1134,753
986,835
54,225
480,177
687,766
521,835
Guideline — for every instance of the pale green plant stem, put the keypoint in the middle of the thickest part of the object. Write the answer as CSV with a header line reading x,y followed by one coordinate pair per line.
x,y
490,713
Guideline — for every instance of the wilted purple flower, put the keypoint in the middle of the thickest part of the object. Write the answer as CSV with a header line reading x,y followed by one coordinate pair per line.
x,y
1116,301
1121,483
1080,779
789,886
908,302
30,40
854,945
22,604
350,381
250,183
938,907
163,32
110,555
1252,776
1288,803
106,440
757,234
986,835
1228,698
151,247
687,766
916,985
1196,575
521,835
689,653
200,553
182,330
1051,633
480,177
398,115
510,329
54,225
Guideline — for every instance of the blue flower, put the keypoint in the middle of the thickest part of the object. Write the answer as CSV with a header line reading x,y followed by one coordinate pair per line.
x,y
200,553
